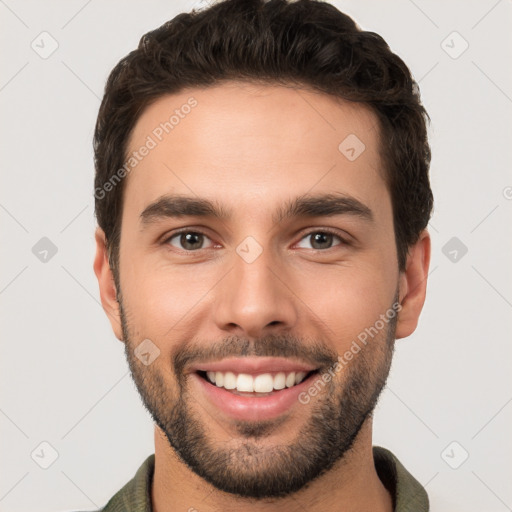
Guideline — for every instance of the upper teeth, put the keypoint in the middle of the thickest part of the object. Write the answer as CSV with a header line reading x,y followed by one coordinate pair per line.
x,y
263,383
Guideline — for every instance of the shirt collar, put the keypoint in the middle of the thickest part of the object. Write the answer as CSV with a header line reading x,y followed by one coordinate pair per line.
x,y
407,493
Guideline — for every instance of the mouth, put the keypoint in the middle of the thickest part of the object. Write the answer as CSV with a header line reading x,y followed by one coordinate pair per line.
x,y
254,394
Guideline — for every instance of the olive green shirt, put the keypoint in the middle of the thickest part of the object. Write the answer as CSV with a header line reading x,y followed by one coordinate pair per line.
x,y
408,494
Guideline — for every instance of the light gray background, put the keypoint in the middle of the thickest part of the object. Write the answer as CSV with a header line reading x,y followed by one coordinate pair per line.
x,y
63,376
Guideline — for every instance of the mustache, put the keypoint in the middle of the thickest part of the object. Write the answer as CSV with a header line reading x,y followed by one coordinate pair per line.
x,y
288,346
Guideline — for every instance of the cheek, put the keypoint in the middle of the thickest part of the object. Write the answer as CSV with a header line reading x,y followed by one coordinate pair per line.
x,y
160,298
350,299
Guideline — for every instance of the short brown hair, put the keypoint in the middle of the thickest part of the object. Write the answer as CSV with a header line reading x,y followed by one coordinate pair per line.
x,y
306,43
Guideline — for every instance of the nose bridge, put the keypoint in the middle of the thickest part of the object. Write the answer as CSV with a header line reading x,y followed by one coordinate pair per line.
x,y
252,299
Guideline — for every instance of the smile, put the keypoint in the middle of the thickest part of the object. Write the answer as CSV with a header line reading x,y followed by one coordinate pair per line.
x,y
252,389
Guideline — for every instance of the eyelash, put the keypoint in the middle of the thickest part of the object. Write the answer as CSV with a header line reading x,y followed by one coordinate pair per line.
x,y
305,235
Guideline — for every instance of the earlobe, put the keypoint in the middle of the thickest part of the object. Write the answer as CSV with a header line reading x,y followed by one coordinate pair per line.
x,y
413,286
106,284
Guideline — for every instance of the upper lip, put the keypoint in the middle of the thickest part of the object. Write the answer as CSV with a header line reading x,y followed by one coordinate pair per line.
x,y
254,365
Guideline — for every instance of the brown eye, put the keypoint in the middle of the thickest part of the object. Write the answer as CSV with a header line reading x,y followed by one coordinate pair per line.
x,y
188,240
319,240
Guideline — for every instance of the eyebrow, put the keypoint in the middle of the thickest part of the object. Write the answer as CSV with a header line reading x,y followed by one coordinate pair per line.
x,y
325,205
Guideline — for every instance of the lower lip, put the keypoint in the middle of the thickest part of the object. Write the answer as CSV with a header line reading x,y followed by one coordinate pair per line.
x,y
252,408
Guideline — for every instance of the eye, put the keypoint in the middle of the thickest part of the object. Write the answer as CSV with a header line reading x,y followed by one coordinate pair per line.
x,y
319,240
188,240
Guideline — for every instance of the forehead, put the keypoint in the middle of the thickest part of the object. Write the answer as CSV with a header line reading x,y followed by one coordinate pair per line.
x,y
252,142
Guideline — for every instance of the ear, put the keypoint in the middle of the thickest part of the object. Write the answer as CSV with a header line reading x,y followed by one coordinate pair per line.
x,y
413,286
106,283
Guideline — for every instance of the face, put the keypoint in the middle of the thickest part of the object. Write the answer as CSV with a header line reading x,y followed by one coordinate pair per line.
x,y
256,254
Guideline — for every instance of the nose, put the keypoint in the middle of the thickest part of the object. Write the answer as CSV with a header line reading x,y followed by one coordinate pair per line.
x,y
253,300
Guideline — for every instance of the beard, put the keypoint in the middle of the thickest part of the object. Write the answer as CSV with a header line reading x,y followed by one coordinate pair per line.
x,y
247,467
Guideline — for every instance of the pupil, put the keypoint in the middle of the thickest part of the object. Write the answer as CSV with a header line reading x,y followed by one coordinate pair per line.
x,y
322,240
191,240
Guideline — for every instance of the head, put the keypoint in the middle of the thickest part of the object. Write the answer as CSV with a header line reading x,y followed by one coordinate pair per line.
x,y
262,190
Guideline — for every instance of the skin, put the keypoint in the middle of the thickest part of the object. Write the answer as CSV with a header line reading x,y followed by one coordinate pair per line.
x,y
252,148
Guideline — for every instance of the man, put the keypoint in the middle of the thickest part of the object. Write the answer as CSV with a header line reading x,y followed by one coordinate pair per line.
x,y
262,195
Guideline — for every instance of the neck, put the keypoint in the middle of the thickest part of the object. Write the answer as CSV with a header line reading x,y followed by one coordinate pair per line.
x,y
351,485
